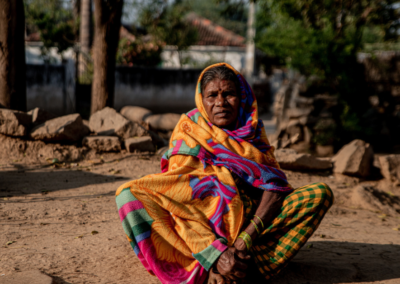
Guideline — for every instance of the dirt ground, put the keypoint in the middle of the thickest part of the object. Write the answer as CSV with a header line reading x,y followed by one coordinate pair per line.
x,y
62,219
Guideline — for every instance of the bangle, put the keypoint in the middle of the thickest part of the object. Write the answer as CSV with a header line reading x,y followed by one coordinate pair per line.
x,y
255,226
262,224
247,239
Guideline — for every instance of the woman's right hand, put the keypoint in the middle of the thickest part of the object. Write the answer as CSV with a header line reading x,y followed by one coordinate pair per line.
x,y
231,264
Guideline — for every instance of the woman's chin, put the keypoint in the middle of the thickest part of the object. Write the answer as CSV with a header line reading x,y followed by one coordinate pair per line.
x,y
223,123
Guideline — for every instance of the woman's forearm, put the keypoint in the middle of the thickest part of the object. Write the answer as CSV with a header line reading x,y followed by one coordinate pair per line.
x,y
267,210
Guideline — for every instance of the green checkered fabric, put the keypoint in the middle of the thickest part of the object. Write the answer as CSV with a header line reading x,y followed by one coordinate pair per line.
x,y
302,211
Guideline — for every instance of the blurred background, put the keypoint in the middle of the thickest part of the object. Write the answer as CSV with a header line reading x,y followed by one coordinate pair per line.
x,y
324,72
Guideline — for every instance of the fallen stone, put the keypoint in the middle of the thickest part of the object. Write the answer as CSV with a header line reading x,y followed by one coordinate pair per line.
x,y
390,167
31,277
324,150
165,122
135,113
68,128
370,198
102,143
162,151
38,151
354,159
14,123
40,116
139,144
108,122
86,123
290,160
298,112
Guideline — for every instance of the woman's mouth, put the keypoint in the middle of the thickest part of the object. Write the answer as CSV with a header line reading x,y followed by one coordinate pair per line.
x,y
222,113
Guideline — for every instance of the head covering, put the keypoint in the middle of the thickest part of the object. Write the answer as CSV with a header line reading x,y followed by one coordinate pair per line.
x,y
244,151
185,217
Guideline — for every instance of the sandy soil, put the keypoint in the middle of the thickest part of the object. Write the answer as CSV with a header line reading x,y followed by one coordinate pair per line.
x,y
63,220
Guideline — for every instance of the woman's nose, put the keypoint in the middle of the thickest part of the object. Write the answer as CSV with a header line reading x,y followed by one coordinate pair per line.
x,y
220,100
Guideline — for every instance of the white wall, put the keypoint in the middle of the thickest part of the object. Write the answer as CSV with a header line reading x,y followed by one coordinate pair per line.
x,y
202,56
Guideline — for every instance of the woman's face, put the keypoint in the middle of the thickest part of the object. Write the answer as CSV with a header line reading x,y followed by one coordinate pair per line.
x,y
221,103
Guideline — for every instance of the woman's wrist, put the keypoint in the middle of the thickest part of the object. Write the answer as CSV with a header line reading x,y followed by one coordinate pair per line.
x,y
240,245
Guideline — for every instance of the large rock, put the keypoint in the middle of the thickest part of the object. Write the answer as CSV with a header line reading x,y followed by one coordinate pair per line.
x,y
290,160
390,167
31,277
14,123
354,159
165,122
135,113
139,144
40,116
369,198
102,143
68,128
108,122
298,112
162,151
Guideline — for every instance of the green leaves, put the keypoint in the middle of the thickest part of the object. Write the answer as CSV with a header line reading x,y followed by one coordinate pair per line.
x,y
55,22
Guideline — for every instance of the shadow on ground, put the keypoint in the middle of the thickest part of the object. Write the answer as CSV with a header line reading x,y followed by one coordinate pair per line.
x,y
342,262
17,183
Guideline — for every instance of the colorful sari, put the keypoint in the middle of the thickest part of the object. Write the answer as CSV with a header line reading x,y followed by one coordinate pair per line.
x,y
180,221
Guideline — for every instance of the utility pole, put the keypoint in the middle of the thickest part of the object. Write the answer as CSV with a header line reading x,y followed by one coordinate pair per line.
x,y
250,47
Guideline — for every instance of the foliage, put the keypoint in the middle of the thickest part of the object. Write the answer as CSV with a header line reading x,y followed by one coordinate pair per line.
x,y
55,22
166,22
230,14
139,52
322,38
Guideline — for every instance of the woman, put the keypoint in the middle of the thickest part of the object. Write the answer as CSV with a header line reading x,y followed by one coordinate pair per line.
x,y
221,202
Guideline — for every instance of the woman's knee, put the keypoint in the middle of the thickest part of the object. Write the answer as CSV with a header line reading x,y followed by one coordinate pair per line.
x,y
326,194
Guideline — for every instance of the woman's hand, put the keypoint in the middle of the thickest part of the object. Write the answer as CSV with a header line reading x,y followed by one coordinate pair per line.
x,y
231,264
241,249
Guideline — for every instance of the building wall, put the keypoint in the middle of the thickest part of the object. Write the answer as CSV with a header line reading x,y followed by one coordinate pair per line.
x,y
201,56
160,90
49,87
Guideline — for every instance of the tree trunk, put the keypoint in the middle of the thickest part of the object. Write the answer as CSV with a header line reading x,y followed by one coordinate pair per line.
x,y
84,36
12,55
107,18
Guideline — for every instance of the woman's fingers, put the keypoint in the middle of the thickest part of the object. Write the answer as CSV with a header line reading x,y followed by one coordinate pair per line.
x,y
240,265
240,274
243,255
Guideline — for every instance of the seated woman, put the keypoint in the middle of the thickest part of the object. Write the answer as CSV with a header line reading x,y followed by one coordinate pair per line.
x,y
221,203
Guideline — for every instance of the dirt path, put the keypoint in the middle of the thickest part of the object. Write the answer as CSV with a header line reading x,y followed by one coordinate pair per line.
x,y
63,221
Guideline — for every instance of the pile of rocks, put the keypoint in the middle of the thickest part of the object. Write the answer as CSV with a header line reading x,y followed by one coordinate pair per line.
x,y
303,121
135,128
354,159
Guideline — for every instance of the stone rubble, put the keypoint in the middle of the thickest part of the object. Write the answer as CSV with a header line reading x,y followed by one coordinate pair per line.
x,y
289,159
370,198
139,144
164,122
390,167
14,123
102,143
135,113
354,159
109,122
68,128
40,116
